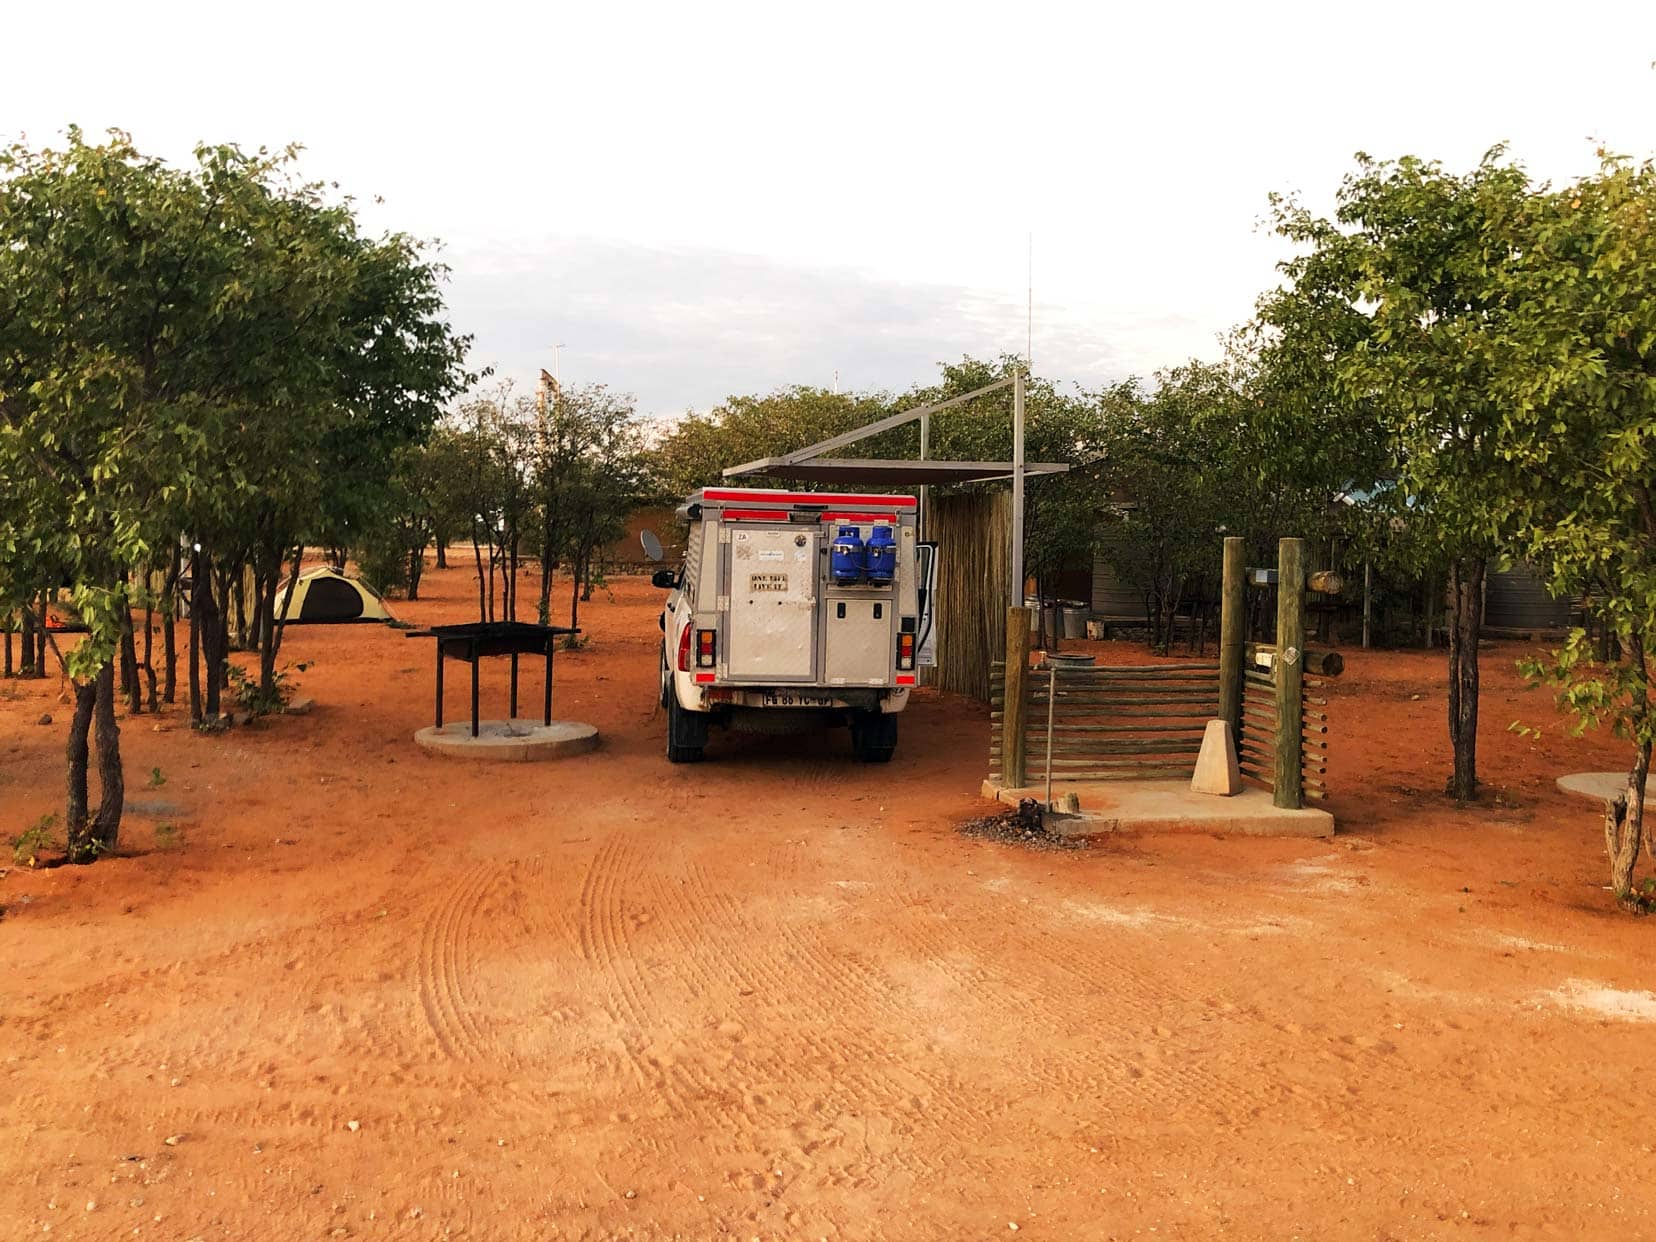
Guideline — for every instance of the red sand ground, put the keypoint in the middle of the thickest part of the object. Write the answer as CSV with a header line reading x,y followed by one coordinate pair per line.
x,y
363,991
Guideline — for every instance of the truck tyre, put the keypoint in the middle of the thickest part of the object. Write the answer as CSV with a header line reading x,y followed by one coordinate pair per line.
x,y
686,733
874,737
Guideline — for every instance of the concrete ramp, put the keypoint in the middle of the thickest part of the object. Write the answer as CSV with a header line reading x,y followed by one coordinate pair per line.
x,y
1110,807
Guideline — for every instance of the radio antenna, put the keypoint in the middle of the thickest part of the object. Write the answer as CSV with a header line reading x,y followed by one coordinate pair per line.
x,y
1029,309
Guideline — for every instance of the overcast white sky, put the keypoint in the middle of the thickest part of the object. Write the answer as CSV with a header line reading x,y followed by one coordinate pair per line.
x,y
705,199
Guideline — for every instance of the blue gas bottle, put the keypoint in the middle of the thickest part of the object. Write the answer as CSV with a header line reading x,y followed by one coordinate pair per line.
x,y
880,555
845,561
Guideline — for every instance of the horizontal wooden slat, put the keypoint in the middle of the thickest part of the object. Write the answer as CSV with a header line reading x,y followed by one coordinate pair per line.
x,y
1112,746
1039,726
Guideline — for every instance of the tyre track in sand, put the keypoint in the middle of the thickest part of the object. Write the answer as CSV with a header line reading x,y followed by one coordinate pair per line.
x,y
630,998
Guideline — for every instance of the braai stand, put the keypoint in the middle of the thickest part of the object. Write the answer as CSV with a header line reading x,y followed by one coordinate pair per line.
x,y
511,738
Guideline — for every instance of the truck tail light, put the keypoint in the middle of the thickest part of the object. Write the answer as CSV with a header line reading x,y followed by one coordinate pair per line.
x,y
905,651
706,648
684,650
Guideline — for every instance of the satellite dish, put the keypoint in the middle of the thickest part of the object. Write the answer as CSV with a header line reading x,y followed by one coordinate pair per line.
x,y
652,545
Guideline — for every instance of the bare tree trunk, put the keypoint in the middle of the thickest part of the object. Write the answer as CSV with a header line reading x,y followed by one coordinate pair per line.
x,y
1466,595
5,628
544,611
40,635
149,649
264,614
207,644
106,826
416,570
236,590
441,539
169,638
195,638
574,598
131,688
279,620
477,555
27,667
215,644
74,805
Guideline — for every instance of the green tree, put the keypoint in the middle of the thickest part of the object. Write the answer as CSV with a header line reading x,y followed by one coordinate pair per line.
x,y
595,479
186,349
1578,450
1425,257
698,448
120,324
1171,494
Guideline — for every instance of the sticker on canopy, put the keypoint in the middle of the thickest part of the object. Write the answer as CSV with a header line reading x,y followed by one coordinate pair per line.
x,y
770,554
760,583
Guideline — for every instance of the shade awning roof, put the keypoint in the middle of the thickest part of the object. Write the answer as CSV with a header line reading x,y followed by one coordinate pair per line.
x,y
893,471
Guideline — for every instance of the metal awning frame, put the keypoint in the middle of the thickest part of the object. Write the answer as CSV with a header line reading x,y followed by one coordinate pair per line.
x,y
1020,468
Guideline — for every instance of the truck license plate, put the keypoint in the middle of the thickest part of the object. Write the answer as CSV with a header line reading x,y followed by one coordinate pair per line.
x,y
788,698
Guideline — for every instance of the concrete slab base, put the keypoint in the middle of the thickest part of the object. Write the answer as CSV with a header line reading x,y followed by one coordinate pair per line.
x,y
1602,786
1109,807
512,741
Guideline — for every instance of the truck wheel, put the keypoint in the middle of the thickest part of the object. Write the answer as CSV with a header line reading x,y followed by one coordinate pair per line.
x,y
686,733
874,737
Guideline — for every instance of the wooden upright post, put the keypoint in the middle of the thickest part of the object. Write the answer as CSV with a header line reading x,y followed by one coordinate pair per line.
x,y
1232,633
1015,706
1289,792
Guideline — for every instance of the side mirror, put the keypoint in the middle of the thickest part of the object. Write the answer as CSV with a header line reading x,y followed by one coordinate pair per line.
x,y
666,579
652,545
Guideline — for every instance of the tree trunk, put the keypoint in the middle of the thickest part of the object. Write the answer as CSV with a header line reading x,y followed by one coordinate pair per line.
x,y
27,667
195,640
169,638
1624,826
40,635
5,628
477,555
574,598
279,623
1466,597
74,806
236,589
131,688
264,612
416,571
149,651
206,639
106,826
543,612
441,539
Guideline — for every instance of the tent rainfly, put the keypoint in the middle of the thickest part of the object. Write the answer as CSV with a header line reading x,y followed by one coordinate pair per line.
x,y
325,596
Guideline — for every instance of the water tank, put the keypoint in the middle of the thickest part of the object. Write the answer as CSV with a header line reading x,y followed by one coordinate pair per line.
x,y
880,555
846,558
1518,600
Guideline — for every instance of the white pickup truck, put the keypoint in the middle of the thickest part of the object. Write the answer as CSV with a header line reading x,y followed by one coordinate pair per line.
x,y
793,610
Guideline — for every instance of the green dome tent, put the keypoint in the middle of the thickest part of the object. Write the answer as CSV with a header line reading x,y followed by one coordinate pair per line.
x,y
324,596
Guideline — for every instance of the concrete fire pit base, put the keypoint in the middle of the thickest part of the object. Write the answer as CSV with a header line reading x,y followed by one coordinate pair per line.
x,y
511,741
1602,786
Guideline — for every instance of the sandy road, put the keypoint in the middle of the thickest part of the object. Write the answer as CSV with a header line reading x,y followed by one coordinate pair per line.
x,y
373,993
